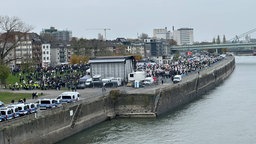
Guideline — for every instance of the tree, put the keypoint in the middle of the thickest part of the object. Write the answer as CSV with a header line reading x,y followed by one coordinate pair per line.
x,y
213,40
137,57
218,39
4,73
172,42
224,39
78,59
12,30
143,36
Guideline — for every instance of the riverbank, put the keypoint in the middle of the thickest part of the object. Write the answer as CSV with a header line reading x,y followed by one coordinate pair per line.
x,y
53,125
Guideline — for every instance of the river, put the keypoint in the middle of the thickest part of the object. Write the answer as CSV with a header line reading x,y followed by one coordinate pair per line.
x,y
225,115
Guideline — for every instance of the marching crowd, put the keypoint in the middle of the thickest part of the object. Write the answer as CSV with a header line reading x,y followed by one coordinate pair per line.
x,y
181,66
67,76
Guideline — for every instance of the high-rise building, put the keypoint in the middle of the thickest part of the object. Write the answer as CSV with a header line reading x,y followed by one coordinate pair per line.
x,y
63,36
161,33
184,36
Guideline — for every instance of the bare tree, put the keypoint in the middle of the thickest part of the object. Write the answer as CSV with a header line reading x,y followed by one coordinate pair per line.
x,y
12,30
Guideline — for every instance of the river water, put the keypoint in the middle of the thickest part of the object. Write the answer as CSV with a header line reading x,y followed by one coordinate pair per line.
x,y
225,115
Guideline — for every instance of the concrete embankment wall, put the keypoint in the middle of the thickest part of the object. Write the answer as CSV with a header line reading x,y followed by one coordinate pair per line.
x,y
167,98
135,105
193,88
56,124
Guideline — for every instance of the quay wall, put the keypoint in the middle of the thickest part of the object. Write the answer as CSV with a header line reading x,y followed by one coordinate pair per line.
x,y
193,88
56,124
169,97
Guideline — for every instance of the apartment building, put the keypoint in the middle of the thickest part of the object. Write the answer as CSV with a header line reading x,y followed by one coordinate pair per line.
x,y
184,36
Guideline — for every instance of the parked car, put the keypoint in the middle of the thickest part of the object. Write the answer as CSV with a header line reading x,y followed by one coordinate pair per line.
x,y
81,85
177,78
1,104
2,117
44,104
15,110
7,112
32,107
68,97
23,109
148,81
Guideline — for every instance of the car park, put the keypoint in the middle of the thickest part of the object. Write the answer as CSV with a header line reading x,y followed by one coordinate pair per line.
x,y
68,97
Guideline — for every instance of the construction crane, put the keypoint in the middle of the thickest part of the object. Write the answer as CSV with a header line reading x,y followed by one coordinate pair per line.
x,y
104,29
237,37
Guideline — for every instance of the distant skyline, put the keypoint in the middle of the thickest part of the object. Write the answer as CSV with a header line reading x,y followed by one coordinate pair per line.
x,y
130,18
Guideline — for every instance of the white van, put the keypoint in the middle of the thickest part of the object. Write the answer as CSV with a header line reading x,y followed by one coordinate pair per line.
x,y
107,80
44,104
88,83
68,97
148,81
23,109
177,78
118,80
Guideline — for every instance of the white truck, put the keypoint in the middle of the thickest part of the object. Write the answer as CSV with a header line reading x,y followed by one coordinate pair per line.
x,y
136,76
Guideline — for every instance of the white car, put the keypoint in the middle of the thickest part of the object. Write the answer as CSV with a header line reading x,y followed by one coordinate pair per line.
x,y
177,78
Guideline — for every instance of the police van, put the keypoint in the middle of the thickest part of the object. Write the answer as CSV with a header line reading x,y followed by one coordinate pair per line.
x,y
68,97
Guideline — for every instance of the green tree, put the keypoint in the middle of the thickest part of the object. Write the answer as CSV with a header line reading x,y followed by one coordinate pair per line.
x,y
4,73
176,56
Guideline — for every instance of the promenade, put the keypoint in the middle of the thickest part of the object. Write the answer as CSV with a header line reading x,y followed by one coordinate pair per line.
x,y
90,93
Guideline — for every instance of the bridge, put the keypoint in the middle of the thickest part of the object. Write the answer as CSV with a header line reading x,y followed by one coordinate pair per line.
x,y
214,46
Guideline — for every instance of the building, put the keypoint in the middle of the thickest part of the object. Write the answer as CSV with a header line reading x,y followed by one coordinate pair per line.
x,y
46,55
155,48
28,50
60,54
184,36
63,36
161,33
113,66
136,49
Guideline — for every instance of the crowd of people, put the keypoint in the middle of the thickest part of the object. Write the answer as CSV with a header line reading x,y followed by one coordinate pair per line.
x,y
67,76
183,65
62,76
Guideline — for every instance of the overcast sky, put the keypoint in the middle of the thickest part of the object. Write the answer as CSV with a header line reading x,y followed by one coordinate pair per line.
x,y
127,18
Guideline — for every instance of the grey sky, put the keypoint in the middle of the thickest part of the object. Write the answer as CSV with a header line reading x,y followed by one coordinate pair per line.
x,y
126,18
